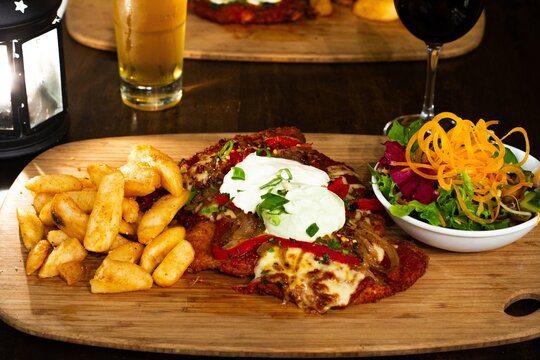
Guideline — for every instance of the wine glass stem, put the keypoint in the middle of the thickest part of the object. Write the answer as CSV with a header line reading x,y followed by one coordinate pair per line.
x,y
428,108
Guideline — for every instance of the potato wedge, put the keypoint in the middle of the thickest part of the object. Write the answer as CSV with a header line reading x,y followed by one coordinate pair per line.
x,y
30,227
40,200
126,228
68,217
37,255
84,199
72,271
45,214
98,171
54,183
175,263
171,178
130,210
69,250
131,252
104,221
87,184
141,172
156,219
136,188
56,237
160,246
114,276
118,241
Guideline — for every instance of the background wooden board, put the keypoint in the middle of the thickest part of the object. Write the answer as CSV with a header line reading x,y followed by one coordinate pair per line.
x,y
458,304
343,37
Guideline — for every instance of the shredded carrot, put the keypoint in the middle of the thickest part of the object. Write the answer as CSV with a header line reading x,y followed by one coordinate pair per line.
x,y
471,149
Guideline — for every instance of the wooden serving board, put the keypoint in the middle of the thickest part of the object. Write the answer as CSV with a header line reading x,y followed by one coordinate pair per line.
x,y
458,304
342,37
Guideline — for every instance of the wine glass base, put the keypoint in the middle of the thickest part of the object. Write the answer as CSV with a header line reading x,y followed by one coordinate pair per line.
x,y
404,120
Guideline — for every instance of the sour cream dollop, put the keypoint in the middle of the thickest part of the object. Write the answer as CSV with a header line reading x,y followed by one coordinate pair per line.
x,y
312,210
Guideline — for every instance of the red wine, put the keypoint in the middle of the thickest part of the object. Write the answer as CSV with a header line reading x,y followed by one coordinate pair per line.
x,y
439,21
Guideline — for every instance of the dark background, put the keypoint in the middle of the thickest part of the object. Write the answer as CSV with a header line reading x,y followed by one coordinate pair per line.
x,y
497,81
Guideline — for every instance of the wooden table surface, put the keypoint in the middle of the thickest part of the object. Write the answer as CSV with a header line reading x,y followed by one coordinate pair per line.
x,y
498,80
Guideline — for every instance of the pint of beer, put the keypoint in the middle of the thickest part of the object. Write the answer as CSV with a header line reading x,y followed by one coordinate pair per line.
x,y
150,48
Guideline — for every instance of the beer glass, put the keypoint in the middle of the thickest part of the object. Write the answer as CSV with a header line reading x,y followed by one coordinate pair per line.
x,y
150,48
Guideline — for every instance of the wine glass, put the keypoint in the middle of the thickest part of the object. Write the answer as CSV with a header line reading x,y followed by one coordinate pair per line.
x,y
435,22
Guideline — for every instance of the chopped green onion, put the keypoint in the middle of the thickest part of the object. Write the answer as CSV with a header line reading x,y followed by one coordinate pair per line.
x,y
272,204
238,174
333,244
272,201
271,183
278,179
274,218
210,210
326,259
287,171
226,150
266,151
193,193
312,229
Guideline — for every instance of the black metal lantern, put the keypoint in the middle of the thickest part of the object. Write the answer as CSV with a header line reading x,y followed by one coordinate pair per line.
x,y
33,101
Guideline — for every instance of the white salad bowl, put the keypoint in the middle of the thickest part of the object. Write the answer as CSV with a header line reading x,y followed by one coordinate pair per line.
x,y
464,240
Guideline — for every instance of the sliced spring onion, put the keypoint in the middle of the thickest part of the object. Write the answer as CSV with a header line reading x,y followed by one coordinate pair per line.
x,y
272,204
312,229
278,179
226,150
193,193
238,174
287,172
210,210
264,152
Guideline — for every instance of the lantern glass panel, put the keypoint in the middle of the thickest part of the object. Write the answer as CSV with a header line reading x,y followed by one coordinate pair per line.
x,y
6,119
42,76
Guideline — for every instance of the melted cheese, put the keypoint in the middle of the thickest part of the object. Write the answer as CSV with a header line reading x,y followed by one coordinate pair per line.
x,y
309,200
304,271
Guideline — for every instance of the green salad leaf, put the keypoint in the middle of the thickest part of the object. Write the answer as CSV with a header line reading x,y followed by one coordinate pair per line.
x,y
427,212
402,134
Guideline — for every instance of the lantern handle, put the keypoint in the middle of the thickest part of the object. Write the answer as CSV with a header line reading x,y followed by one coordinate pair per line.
x,y
61,10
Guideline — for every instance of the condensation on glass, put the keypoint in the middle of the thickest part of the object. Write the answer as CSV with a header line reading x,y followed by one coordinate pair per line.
x,y
42,76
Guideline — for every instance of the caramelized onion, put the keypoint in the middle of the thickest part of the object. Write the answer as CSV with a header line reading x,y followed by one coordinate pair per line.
x,y
516,214
368,239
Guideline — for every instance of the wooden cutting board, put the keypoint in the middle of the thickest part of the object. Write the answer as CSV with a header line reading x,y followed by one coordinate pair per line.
x,y
342,37
458,304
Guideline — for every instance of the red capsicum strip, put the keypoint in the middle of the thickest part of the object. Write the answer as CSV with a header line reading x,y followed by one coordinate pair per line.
x,y
281,142
240,249
235,156
222,199
339,187
369,204
317,250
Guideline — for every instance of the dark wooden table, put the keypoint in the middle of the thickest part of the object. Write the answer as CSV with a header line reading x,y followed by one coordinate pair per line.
x,y
499,80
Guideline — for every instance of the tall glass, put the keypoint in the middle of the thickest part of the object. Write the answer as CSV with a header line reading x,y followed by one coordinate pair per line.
x,y
435,22
150,47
